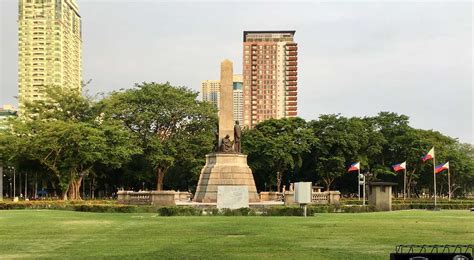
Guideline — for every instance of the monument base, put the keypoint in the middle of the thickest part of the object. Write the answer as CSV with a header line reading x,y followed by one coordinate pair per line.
x,y
224,169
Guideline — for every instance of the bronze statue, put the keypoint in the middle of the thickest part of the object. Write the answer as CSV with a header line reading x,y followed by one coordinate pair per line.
x,y
237,135
226,145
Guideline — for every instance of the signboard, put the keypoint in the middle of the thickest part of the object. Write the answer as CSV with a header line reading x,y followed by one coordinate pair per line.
x,y
303,192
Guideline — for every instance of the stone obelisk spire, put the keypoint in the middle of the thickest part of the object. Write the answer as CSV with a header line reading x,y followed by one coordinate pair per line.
x,y
226,123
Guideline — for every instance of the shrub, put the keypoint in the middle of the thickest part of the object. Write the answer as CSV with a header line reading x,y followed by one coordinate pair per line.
x,y
179,211
282,211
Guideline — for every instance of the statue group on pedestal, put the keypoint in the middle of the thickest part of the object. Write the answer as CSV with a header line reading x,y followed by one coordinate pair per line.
x,y
229,146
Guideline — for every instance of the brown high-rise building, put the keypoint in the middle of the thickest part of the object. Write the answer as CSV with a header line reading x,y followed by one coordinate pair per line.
x,y
270,75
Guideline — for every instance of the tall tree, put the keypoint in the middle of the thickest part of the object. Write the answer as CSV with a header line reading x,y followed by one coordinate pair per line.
x,y
278,144
165,121
67,135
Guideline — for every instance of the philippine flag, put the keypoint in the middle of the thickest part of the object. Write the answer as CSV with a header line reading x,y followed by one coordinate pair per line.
x,y
400,166
429,155
442,167
354,167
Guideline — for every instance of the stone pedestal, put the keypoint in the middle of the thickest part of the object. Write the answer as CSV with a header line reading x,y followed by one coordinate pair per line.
x,y
380,195
334,197
290,198
224,169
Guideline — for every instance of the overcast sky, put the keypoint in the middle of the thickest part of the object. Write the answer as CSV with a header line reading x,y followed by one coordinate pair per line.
x,y
355,58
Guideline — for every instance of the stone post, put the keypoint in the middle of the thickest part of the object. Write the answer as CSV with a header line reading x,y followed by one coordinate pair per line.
x,y
334,197
289,198
226,115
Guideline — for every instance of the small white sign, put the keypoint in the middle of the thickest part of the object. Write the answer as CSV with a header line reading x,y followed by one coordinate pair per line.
x,y
232,197
303,192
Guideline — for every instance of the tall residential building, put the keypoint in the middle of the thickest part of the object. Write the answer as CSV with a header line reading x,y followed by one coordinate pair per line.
x,y
238,98
211,93
270,75
49,47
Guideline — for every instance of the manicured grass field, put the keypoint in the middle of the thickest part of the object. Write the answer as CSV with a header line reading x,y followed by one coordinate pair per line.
x,y
66,234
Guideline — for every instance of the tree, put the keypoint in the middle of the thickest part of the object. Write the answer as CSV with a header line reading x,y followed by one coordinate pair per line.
x,y
165,121
66,134
342,141
278,144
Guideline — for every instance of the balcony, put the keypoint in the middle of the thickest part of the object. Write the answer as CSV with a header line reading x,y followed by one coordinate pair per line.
x,y
291,68
291,48
291,44
291,104
291,73
291,58
291,98
291,78
291,109
291,93
291,53
291,83
291,88
291,113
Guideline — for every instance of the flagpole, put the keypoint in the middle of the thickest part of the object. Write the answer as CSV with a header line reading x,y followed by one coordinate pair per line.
x,y
405,183
363,191
434,175
449,186
358,184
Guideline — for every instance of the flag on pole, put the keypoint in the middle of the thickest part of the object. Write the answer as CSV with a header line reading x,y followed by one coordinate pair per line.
x,y
429,155
354,167
442,167
400,166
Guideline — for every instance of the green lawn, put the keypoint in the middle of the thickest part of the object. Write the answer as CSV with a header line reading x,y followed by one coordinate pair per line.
x,y
65,234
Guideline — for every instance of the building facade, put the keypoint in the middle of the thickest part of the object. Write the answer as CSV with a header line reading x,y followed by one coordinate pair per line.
x,y
49,47
270,60
210,92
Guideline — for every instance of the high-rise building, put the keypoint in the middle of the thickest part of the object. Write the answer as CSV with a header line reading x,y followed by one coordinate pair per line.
x,y
270,75
49,46
211,93
238,98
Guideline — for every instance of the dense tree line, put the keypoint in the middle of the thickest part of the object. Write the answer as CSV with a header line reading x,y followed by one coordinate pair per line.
x,y
321,151
156,136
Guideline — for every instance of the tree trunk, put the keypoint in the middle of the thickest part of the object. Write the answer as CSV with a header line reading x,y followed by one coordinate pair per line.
x,y
75,188
160,175
64,193
278,181
328,182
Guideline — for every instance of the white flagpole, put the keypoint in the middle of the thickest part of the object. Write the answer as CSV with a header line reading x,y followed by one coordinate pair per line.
x,y
405,183
363,190
449,186
434,176
358,184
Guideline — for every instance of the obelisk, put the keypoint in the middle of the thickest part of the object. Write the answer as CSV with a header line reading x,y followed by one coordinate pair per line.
x,y
226,122
225,168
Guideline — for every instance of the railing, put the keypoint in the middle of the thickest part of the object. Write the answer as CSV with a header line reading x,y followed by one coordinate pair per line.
x,y
148,197
319,197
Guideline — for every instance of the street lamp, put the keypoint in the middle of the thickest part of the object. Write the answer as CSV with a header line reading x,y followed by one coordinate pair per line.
x,y
14,182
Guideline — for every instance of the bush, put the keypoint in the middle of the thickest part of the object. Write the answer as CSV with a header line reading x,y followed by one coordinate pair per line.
x,y
237,212
179,211
282,211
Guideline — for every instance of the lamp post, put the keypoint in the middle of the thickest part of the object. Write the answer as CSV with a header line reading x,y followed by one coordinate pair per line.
x,y
14,180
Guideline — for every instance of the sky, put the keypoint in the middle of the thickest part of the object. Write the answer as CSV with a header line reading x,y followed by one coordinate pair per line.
x,y
354,58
